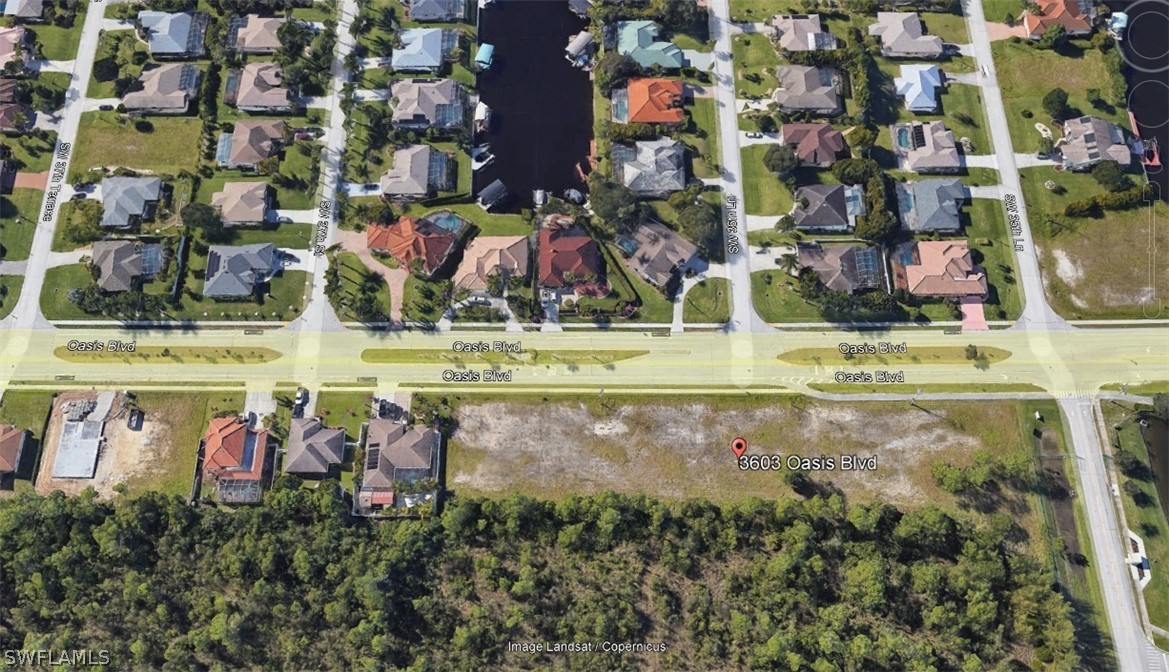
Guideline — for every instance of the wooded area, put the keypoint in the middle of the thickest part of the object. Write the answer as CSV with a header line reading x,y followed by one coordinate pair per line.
x,y
297,584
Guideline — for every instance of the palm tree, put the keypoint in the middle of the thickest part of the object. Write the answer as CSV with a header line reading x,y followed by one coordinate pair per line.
x,y
790,263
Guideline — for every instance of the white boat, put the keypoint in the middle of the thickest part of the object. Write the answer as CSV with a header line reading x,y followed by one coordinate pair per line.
x,y
482,117
1117,25
539,197
481,157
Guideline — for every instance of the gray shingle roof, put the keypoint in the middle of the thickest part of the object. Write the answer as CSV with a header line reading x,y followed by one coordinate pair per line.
x,y
805,87
830,206
436,10
235,271
931,205
901,36
170,34
422,49
395,452
118,262
313,448
126,199
652,166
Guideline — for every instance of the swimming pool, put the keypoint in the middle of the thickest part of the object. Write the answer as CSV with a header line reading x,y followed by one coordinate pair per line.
x,y
903,138
446,220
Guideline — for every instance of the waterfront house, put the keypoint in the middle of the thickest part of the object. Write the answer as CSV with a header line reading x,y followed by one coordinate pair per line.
x,y
1074,15
164,89
566,255
651,167
423,49
1087,141
129,201
652,100
902,36
238,272
926,147
412,241
800,32
932,206
805,88
842,268
421,103
242,203
436,10
418,171
638,40
828,207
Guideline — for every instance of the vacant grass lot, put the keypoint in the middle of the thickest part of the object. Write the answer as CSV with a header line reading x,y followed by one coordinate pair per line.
x,y
764,193
10,286
106,139
701,137
777,299
755,59
19,213
708,301
57,43
1097,268
950,27
1026,74
33,154
991,244
758,11
129,45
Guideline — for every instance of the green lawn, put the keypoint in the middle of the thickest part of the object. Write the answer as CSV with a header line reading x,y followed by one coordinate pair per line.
x,y
1026,74
27,409
764,192
950,27
19,213
701,137
997,10
411,309
318,13
10,286
654,308
488,224
33,154
55,304
708,301
758,11
352,272
754,58
104,139
991,245
779,300
347,410
60,44
128,45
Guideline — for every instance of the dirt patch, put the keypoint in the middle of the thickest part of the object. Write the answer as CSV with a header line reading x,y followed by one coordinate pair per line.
x,y
1067,270
683,449
1001,31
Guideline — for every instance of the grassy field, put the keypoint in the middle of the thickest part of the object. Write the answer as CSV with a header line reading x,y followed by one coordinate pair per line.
x,y
950,27
525,358
10,286
764,193
34,155
702,137
991,244
128,47
754,58
105,139
26,409
779,300
19,213
758,11
157,354
1097,268
1026,74
708,301
60,44
918,355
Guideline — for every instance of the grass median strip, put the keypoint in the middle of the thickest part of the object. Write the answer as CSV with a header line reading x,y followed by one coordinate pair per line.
x,y
909,388
524,358
949,354
154,354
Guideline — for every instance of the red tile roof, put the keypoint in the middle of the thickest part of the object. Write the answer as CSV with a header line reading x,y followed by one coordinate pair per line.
x,y
409,239
818,144
1065,13
655,101
226,451
11,441
567,250
944,268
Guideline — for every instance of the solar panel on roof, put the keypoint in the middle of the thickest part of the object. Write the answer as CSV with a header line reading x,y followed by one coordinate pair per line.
x,y
372,457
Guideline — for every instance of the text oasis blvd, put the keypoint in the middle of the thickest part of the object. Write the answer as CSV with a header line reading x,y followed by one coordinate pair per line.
x,y
102,346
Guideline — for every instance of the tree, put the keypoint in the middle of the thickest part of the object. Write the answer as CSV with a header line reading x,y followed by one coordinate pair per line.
x,y
781,160
700,223
1161,405
1109,175
1055,37
105,69
1055,104
971,351
855,171
614,70
862,139
204,218
614,203
765,123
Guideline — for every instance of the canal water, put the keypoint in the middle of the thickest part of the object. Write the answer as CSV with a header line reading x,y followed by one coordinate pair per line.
x,y
1146,52
541,106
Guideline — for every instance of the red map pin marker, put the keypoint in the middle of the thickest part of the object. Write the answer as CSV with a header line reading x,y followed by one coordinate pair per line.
x,y
739,445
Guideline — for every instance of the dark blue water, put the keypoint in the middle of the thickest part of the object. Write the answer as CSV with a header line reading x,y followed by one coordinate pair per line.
x,y
542,110
1146,51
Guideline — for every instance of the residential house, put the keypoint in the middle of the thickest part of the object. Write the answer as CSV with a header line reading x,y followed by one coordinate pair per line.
x,y
423,49
129,201
842,268
938,268
931,206
800,32
926,147
411,239
651,167
120,263
1074,15
261,89
488,256
31,11
653,101
580,49
919,86
15,50
421,103
638,40
237,272
805,88
251,142
164,89
15,116
657,253
566,254
1089,140
12,443
234,455
816,145
902,36
174,35
397,456
242,203
436,10
258,34
312,448
828,207
418,171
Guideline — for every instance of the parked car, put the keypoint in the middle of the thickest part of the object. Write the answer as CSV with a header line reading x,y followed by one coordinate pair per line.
x,y
754,135
105,108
